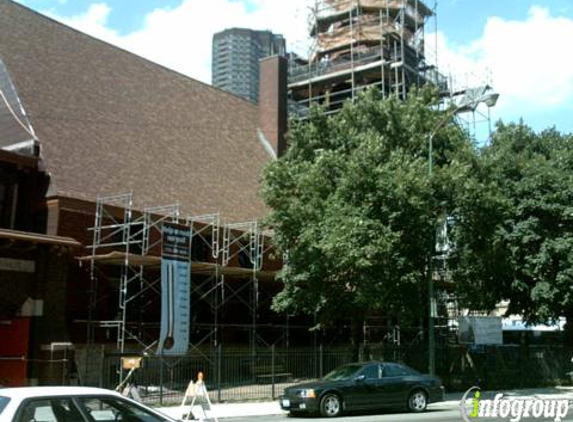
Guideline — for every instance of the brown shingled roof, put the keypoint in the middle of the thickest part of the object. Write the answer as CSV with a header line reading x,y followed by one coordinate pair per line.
x,y
109,121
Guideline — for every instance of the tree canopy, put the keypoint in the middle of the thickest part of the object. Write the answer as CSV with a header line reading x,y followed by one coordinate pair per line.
x,y
514,234
354,211
353,207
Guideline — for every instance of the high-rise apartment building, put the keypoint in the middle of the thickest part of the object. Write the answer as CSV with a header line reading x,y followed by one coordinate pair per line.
x,y
235,60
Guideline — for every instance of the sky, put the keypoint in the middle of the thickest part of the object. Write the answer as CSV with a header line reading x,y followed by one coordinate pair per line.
x,y
520,47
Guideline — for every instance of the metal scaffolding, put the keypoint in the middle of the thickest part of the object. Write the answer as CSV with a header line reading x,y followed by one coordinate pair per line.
x,y
358,44
124,254
205,237
244,241
125,261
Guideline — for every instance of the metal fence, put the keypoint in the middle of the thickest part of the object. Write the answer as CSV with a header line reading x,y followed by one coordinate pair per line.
x,y
229,374
504,367
232,375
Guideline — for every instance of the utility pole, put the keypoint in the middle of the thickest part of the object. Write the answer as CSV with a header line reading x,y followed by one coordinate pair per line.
x,y
488,98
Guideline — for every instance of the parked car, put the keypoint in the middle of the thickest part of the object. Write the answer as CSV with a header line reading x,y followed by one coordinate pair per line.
x,y
72,404
364,386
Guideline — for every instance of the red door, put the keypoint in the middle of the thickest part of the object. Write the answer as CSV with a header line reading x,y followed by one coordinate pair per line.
x,y
14,336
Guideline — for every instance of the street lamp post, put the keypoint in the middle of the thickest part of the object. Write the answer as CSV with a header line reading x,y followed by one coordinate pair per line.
x,y
489,98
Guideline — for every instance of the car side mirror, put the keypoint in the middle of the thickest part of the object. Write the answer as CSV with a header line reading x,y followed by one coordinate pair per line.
x,y
360,378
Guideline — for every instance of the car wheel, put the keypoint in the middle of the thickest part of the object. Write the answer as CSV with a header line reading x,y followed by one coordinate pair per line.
x,y
330,406
417,401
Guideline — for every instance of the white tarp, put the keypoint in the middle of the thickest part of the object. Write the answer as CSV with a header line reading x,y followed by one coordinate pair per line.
x,y
480,330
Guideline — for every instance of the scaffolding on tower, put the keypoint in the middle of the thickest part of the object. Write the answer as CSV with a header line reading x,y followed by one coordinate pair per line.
x,y
358,44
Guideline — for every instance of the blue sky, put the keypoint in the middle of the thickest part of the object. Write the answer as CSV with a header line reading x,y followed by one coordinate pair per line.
x,y
520,46
464,20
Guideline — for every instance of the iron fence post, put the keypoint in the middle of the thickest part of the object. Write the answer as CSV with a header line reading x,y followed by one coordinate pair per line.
x,y
161,378
321,361
219,364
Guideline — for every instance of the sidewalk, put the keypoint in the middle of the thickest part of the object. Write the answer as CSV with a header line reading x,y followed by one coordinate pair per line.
x,y
229,410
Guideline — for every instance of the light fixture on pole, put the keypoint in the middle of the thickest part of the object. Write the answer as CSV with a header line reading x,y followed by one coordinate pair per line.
x,y
470,101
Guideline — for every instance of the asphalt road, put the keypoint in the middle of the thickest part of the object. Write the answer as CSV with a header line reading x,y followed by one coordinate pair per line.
x,y
435,413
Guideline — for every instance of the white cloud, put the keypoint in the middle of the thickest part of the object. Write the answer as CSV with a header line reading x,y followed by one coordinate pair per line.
x,y
92,22
180,37
528,61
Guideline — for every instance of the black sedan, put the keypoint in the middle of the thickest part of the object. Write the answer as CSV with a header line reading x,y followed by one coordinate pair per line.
x,y
364,386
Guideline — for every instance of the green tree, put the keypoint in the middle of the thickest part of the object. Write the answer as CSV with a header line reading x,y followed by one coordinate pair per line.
x,y
514,231
354,209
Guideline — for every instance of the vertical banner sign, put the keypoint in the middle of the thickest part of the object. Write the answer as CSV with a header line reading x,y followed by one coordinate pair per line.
x,y
175,289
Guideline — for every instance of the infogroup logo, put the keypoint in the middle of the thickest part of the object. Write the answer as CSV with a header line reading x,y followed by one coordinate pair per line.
x,y
474,407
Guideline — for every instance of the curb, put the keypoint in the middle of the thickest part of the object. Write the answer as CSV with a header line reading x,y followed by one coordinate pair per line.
x,y
246,409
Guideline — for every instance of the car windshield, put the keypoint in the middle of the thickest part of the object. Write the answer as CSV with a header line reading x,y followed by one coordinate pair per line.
x,y
3,403
342,373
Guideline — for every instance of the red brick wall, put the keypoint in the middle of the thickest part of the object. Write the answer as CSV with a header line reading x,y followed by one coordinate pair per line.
x,y
273,101
75,224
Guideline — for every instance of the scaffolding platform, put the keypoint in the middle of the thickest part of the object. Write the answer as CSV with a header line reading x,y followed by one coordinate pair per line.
x,y
197,267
